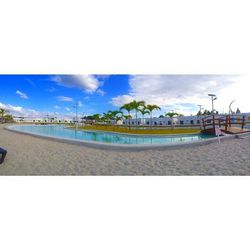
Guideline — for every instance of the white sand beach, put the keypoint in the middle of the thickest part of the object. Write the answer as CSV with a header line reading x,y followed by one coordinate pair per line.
x,y
29,155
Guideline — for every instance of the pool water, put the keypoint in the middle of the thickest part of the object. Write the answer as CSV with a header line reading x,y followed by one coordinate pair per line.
x,y
105,137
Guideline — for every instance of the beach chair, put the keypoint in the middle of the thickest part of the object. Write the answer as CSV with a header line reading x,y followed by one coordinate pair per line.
x,y
3,153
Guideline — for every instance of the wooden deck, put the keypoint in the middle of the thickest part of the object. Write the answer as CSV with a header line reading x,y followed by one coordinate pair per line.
x,y
235,130
227,124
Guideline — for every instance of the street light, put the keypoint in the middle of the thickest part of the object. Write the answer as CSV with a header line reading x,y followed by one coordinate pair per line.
x,y
230,105
200,106
76,107
213,98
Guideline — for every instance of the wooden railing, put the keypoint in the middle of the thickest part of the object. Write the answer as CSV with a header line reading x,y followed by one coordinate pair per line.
x,y
225,121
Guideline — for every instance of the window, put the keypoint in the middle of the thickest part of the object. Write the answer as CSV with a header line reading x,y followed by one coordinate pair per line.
x,y
192,122
198,121
169,122
181,122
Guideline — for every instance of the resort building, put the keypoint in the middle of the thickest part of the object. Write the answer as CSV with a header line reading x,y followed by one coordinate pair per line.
x,y
182,120
156,121
42,120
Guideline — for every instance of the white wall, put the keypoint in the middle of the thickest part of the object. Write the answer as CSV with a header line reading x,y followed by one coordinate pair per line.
x,y
167,121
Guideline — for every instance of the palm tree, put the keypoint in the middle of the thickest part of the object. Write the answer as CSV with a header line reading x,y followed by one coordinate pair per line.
x,y
117,119
2,113
114,115
96,117
128,107
171,115
151,108
107,117
136,106
144,111
8,118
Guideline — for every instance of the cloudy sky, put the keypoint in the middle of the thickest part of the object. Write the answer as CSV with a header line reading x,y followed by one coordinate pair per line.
x,y
39,95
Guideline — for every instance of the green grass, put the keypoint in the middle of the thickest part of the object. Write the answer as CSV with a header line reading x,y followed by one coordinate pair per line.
x,y
109,128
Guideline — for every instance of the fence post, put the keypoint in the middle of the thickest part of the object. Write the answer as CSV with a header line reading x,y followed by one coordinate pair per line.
x,y
243,122
226,125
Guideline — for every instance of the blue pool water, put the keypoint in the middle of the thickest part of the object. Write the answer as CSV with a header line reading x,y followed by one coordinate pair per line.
x,y
105,137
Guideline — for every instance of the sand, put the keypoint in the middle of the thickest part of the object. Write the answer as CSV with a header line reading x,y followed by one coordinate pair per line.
x,y
29,155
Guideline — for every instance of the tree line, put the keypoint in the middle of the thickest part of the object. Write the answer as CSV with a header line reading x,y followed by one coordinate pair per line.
x,y
139,107
5,116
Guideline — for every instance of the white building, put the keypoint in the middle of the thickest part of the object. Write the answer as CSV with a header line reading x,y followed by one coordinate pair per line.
x,y
183,120
43,120
165,121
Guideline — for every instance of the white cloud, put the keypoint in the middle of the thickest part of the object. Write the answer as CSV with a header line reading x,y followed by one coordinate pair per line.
x,y
88,83
80,104
56,107
65,99
100,92
122,99
67,109
184,92
22,95
18,111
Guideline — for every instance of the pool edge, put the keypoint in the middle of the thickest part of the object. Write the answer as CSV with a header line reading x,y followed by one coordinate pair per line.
x,y
126,147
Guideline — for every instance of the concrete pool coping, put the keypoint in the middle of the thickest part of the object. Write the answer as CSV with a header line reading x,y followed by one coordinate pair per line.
x,y
128,147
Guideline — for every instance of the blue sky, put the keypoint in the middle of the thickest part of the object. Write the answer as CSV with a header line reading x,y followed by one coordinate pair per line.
x,y
47,93
36,95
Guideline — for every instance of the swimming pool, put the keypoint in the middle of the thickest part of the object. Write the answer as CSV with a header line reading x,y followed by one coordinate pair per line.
x,y
105,137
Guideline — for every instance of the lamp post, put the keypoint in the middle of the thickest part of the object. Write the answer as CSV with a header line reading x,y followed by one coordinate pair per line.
x,y
213,98
76,107
230,105
230,112
200,106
